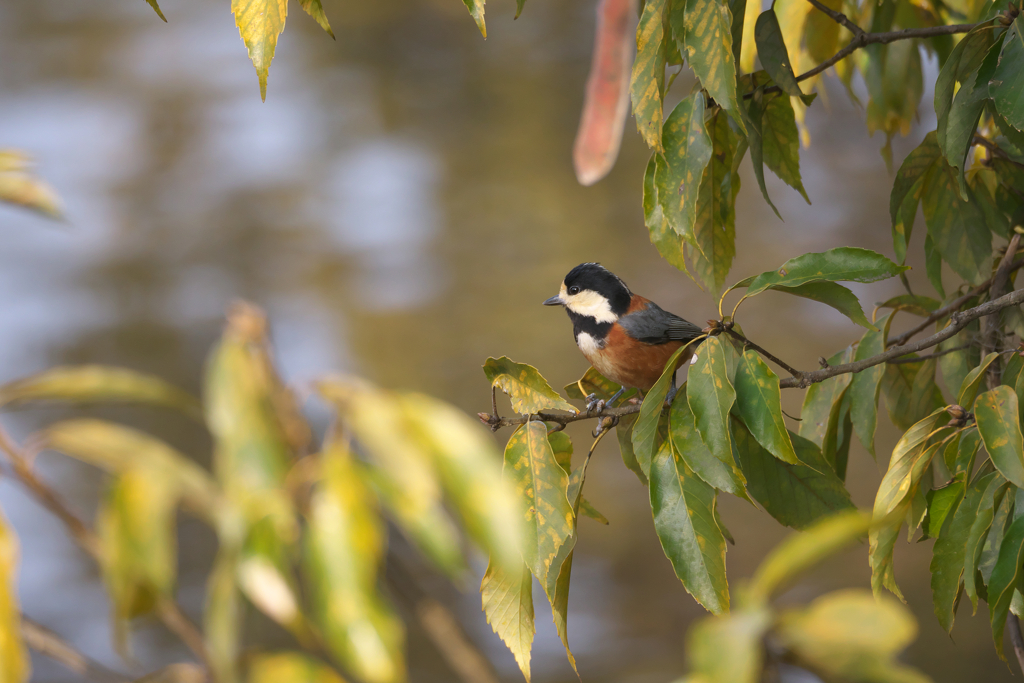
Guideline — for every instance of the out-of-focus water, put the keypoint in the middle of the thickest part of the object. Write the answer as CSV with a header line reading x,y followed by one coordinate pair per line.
x,y
401,205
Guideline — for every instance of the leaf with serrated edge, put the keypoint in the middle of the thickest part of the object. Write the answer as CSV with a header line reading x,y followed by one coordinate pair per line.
x,y
259,23
759,403
1007,86
781,142
476,10
508,605
14,661
683,508
315,9
997,414
645,431
849,264
724,476
708,46
648,76
527,389
678,172
667,241
541,485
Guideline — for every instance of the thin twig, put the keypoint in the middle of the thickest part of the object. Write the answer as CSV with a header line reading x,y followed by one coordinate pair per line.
x,y
1013,626
48,643
957,321
882,38
954,305
918,359
990,339
180,625
838,17
782,364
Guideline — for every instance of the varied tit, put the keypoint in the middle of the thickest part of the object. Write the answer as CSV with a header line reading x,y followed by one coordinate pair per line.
x,y
626,337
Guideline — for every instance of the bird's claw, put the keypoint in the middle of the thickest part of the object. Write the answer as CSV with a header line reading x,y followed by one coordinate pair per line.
x,y
604,425
594,404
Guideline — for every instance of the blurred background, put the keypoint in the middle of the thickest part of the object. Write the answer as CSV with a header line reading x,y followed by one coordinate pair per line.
x,y
400,205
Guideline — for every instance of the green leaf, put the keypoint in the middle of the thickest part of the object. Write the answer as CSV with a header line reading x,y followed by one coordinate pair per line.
x,y
508,605
542,488
98,383
624,434
933,265
519,7
781,142
728,649
290,667
14,660
907,185
999,425
666,240
835,265
851,635
1006,86
910,392
962,63
751,116
587,509
222,615
711,395
956,226
647,81
956,365
759,403
528,391
864,389
259,23
266,577
921,306
156,8
980,527
772,51
968,103
476,10
1006,576
686,441
795,495
942,502
467,461
343,555
678,174
971,384
315,9
799,552
645,431
820,399
708,46
684,519
831,294
947,565
714,229
910,458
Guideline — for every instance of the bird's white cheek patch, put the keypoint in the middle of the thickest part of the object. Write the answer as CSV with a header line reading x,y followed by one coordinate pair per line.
x,y
592,304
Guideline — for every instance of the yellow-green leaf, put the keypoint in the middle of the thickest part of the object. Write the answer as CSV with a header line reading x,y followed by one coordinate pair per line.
x,y
259,23
645,431
998,420
222,616
864,390
686,441
710,395
780,142
508,605
759,403
265,576
528,391
470,470
344,547
542,487
648,78
14,661
667,241
728,649
1006,576
476,10
684,519
25,190
678,173
98,383
138,548
972,382
290,667
708,45
714,227
316,10
156,8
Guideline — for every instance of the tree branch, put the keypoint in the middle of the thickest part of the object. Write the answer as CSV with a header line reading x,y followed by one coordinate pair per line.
x,y
838,17
1013,626
863,39
921,359
48,643
990,339
736,335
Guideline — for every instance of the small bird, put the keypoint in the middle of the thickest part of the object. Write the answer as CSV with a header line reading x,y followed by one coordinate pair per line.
x,y
626,337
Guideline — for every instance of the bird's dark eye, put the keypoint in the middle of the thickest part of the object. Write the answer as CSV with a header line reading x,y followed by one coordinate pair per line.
x,y
574,290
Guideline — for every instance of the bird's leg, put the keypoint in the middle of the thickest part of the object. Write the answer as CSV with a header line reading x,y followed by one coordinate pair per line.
x,y
596,405
673,390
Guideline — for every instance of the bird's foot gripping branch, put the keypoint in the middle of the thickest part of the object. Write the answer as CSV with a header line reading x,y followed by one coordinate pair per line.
x,y
725,432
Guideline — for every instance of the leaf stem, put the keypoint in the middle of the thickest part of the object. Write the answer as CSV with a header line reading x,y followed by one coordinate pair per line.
x,y
49,644
782,364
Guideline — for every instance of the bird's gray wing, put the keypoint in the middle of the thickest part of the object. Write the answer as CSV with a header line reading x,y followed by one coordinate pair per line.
x,y
653,325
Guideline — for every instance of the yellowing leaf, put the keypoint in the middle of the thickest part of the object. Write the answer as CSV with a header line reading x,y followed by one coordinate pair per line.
x,y
708,45
678,172
711,395
316,10
222,616
542,487
728,649
344,547
476,10
259,23
23,189
759,402
508,605
290,667
648,78
156,8
998,420
14,661
527,389
98,383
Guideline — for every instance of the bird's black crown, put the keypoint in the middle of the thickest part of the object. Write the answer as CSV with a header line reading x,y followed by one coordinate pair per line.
x,y
595,277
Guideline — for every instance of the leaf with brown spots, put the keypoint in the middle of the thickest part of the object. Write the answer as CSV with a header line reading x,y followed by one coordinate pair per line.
x,y
999,424
525,386
648,78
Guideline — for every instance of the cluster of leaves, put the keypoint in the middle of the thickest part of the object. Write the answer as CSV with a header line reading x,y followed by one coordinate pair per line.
x,y
302,529
847,635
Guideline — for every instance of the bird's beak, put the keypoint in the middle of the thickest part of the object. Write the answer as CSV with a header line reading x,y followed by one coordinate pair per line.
x,y
553,301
